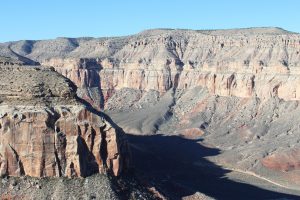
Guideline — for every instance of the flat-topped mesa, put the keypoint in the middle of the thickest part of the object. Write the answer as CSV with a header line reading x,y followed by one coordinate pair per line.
x,y
253,62
45,130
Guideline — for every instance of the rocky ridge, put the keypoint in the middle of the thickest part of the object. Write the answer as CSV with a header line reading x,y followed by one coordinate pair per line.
x,y
46,130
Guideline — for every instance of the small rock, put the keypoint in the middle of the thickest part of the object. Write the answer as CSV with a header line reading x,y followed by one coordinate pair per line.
x,y
4,180
92,196
14,183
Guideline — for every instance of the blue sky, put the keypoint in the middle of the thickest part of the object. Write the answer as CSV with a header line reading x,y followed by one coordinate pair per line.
x,y
45,19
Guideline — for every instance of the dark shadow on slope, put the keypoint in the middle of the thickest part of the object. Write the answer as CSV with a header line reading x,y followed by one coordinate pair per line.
x,y
90,108
88,164
167,163
127,185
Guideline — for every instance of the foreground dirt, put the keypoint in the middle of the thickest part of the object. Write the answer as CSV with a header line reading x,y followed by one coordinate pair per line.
x,y
93,187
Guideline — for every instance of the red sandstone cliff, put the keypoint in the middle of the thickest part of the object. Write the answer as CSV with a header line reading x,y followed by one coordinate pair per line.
x,y
46,131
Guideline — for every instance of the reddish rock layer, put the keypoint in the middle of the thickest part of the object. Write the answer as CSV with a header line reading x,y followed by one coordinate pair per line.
x,y
283,161
66,141
46,131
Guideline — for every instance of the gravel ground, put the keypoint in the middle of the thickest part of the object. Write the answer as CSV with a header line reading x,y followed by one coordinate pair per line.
x,y
93,187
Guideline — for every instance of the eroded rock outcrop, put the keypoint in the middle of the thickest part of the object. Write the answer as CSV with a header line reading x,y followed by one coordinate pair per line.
x,y
45,130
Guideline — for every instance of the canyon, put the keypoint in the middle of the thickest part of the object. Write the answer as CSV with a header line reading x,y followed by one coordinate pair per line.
x,y
199,99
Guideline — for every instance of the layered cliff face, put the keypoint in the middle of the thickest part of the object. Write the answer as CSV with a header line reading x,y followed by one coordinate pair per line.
x,y
239,63
236,89
45,130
